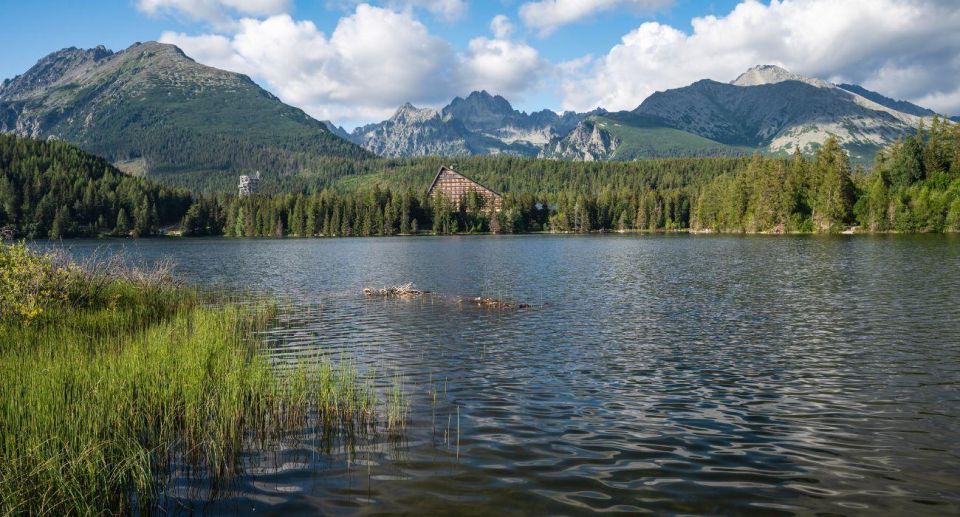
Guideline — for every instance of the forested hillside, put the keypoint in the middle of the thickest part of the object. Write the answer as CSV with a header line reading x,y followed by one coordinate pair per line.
x,y
53,189
501,173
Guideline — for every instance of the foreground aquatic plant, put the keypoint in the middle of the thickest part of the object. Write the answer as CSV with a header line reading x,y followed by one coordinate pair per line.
x,y
110,380
397,406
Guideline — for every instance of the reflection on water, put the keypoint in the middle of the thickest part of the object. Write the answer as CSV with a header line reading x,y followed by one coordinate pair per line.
x,y
662,373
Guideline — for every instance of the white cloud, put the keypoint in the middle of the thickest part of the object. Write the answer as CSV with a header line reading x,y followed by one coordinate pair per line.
x,y
901,49
373,61
501,27
502,66
210,49
545,16
450,10
218,12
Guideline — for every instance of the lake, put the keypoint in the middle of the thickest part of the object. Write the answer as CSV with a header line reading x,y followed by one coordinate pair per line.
x,y
660,373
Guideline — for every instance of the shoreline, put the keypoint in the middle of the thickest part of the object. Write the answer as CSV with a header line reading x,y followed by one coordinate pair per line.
x,y
680,231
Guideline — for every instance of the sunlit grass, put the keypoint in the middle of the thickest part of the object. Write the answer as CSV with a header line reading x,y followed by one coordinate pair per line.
x,y
112,384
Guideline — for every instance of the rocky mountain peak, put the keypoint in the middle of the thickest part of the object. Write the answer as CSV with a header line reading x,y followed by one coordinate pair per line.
x,y
409,114
64,63
480,107
773,74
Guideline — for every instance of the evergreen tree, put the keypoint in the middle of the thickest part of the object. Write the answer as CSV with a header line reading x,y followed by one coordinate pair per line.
x,y
122,227
833,201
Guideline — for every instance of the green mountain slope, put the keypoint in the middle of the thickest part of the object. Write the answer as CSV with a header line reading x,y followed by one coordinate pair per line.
x,y
777,111
641,137
628,136
152,109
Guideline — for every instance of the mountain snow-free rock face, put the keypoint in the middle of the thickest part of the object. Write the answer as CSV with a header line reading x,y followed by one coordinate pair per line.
x,y
766,108
481,124
770,108
493,116
152,104
772,74
415,132
587,142
901,106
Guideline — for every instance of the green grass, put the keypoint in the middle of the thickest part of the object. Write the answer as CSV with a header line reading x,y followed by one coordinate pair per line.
x,y
122,375
642,138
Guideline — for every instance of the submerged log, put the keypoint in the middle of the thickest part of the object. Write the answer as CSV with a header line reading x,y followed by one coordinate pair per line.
x,y
407,290
493,303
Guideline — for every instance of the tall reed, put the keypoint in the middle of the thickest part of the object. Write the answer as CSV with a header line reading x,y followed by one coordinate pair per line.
x,y
109,379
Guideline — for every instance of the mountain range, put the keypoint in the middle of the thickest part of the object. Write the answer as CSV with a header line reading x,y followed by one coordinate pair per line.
x,y
150,109
766,108
480,124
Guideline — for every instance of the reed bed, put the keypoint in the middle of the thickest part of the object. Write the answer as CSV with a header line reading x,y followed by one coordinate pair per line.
x,y
108,380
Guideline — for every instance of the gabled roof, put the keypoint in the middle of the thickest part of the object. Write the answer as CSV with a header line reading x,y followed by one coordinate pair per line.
x,y
445,168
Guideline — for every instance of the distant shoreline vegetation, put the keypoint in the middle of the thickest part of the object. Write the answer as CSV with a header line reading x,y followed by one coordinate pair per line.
x,y
54,190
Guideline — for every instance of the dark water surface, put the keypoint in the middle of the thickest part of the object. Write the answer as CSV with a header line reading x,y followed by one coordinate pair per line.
x,y
667,374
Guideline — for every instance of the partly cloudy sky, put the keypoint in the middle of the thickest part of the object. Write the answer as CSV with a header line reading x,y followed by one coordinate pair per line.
x,y
355,62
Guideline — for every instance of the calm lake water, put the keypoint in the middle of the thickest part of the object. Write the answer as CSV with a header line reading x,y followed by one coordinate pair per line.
x,y
666,374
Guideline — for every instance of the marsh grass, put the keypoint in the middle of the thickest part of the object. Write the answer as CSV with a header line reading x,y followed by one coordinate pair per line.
x,y
110,377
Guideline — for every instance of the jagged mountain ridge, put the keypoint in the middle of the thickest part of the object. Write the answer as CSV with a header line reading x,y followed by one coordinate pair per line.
x,y
480,124
770,109
902,106
150,108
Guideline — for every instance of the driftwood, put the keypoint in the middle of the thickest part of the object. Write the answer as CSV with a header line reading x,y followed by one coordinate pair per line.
x,y
493,303
399,291
408,290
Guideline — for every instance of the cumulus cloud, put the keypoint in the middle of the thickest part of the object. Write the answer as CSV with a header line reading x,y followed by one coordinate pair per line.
x,y
902,49
502,66
545,16
374,60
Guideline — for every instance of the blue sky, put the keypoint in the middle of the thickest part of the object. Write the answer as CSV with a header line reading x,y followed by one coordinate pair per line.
x,y
355,62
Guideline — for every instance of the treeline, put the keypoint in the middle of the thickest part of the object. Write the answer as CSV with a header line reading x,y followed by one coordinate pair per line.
x,y
53,189
501,173
377,212
914,186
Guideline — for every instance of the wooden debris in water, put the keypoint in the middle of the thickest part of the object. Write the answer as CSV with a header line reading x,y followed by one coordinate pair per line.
x,y
493,303
407,290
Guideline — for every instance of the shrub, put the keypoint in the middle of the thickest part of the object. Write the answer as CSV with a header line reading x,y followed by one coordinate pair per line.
x,y
30,283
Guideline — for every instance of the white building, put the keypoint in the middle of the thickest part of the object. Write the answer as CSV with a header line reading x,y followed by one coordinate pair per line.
x,y
249,185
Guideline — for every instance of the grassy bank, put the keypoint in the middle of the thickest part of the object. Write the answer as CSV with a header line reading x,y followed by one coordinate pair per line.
x,y
110,376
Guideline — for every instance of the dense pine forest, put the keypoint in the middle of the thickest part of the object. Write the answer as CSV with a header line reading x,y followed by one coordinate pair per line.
x,y
914,186
52,189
